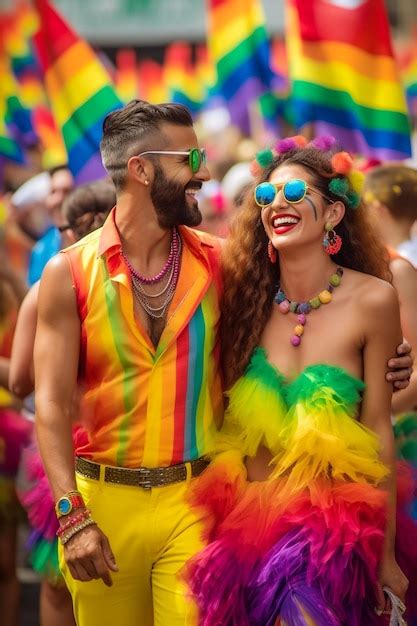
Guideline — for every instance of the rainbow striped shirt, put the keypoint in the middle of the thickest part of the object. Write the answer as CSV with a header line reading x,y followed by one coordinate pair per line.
x,y
147,406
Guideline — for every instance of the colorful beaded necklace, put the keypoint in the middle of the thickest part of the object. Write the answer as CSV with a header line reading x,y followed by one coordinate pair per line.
x,y
302,309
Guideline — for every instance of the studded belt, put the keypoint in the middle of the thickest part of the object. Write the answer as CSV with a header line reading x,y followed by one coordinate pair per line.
x,y
141,477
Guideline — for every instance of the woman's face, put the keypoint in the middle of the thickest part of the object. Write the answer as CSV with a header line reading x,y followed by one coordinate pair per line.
x,y
288,224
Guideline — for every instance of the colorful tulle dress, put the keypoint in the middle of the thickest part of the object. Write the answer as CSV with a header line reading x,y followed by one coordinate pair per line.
x,y
307,541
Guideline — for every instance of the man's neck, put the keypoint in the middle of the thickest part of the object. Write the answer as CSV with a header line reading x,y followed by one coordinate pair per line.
x,y
144,242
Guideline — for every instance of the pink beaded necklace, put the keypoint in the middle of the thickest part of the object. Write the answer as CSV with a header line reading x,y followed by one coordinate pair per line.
x,y
173,253
171,267
302,309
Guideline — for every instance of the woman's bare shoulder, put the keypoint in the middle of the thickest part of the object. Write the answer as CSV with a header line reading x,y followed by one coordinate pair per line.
x,y
374,294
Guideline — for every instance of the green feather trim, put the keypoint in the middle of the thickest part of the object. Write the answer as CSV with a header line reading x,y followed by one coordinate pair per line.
x,y
345,390
262,370
257,409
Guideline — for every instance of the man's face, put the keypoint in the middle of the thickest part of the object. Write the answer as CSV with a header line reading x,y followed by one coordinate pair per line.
x,y
174,186
62,183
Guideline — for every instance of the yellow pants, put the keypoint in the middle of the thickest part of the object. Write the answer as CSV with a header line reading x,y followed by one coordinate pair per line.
x,y
152,534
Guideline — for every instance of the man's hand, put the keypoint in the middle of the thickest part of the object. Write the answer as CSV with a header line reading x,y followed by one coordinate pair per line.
x,y
401,367
89,556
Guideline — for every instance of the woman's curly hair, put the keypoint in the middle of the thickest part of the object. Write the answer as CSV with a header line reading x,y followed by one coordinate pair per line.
x,y
250,280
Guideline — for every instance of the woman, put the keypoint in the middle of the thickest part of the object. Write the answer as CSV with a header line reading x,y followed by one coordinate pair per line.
x,y
301,503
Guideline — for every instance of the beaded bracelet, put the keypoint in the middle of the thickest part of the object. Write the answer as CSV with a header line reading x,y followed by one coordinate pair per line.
x,y
73,521
76,529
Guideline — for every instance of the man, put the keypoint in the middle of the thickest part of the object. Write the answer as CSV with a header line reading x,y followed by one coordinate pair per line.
x,y
62,183
149,363
133,309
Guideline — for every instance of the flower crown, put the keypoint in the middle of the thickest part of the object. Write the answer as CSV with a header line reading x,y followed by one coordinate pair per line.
x,y
348,182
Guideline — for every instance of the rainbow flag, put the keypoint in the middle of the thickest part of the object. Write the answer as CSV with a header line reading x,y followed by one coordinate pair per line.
x,y
126,74
10,149
205,72
17,131
53,147
78,89
181,78
279,64
408,66
239,48
152,85
19,28
345,80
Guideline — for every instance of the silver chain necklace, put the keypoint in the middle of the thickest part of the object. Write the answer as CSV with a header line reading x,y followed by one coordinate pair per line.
x,y
145,298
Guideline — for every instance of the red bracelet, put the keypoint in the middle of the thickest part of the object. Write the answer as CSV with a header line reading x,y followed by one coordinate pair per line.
x,y
72,522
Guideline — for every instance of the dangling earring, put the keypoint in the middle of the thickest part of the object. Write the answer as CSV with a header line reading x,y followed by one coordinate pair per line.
x,y
332,242
272,253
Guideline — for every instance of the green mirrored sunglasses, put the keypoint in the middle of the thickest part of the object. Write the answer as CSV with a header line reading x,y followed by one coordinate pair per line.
x,y
196,156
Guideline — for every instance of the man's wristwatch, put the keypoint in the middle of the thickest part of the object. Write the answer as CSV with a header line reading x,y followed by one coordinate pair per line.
x,y
70,501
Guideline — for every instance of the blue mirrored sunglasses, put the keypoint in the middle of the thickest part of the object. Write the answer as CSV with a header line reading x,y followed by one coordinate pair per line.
x,y
293,190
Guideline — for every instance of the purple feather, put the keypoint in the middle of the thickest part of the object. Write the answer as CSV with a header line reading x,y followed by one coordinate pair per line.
x,y
281,588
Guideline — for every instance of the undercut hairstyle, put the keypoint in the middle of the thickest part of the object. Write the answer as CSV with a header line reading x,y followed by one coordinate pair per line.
x,y
394,186
134,129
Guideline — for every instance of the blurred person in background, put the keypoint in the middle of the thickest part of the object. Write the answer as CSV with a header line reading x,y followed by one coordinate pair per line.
x,y
213,209
234,185
61,184
393,192
83,210
14,434
391,196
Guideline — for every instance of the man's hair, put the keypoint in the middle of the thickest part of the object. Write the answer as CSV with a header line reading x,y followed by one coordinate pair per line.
x,y
394,186
92,201
136,128
57,168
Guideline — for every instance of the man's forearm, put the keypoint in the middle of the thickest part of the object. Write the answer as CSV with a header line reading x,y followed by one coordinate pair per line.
x,y
54,432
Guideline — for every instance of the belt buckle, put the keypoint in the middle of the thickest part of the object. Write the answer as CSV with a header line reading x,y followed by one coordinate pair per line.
x,y
145,484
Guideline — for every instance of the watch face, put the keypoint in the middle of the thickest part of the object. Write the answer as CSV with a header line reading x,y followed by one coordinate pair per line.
x,y
64,506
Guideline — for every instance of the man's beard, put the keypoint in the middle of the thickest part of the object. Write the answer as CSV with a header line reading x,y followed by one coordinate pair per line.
x,y
170,203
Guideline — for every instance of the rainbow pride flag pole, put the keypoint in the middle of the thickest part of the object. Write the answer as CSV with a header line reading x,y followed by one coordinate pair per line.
x,y
78,89
239,48
345,80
